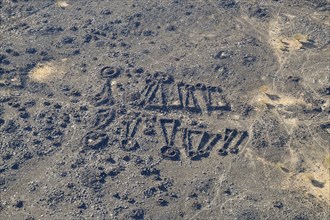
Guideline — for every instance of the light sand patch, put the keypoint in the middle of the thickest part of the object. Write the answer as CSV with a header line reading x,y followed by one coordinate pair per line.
x,y
327,161
282,44
316,182
263,89
283,100
266,96
285,45
287,100
62,4
291,124
47,71
274,33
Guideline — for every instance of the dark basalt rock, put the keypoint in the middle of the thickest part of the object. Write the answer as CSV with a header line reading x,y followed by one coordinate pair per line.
x,y
164,109
95,140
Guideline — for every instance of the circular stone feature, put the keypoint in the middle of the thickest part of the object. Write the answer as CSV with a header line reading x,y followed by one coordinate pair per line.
x,y
95,140
170,153
110,72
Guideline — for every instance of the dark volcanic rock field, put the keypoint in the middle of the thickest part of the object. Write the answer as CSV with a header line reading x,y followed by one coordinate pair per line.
x,y
171,109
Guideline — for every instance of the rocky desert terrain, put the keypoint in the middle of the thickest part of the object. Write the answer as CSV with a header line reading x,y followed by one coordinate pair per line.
x,y
169,109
